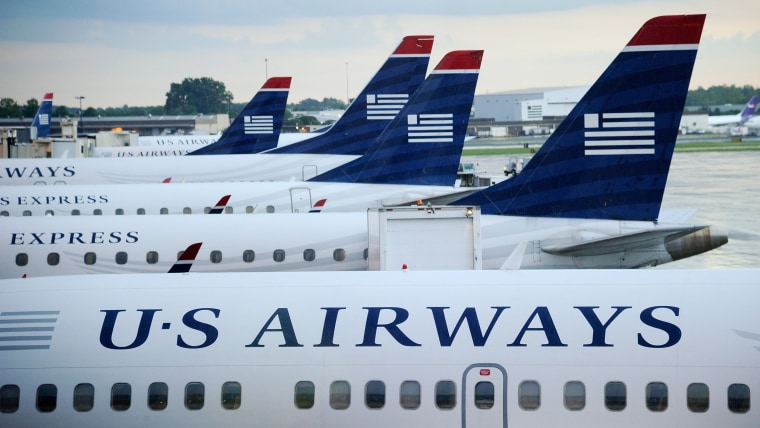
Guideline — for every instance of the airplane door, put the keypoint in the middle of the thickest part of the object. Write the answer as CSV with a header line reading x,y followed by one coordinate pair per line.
x,y
300,199
484,396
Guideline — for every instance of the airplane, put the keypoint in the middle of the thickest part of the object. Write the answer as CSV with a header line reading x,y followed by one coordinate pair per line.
x,y
435,96
41,122
735,119
377,349
257,126
577,204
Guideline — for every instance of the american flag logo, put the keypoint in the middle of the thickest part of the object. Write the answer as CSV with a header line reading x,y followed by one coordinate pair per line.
x,y
385,106
44,119
619,133
431,128
258,124
26,330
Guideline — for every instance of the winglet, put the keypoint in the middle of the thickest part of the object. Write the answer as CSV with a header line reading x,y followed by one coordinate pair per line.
x,y
186,259
750,109
219,207
318,206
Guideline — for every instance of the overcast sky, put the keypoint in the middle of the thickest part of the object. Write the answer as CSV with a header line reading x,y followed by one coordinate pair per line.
x,y
116,53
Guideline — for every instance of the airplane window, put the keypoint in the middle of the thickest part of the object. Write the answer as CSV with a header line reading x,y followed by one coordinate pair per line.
x,y
90,258
228,210
309,255
22,259
575,395
657,396
374,394
231,395
615,396
121,396
26,213
121,258
49,212
738,398
151,257
158,395
698,397
248,256
484,395
249,209
278,255
366,254
9,398
216,256
445,394
206,210
53,259
339,255
270,209
97,211
84,397
409,394
187,210
340,395
304,394
75,212
119,211
194,395
164,211
47,396
529,395
141,211
4,214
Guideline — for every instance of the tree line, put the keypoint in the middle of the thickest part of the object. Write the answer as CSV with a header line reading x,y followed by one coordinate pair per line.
x,y
205,95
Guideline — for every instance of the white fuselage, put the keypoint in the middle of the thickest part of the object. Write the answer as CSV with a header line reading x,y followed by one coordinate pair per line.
x,y
178,145
660,349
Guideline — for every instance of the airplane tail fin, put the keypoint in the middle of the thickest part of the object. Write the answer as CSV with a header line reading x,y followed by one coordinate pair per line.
x,y
257,128
423,143
383,97
186,259
219,207
41,121
609,159
750,109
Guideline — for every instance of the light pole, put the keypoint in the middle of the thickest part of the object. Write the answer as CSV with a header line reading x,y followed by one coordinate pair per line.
x,y
266,69
79,125
348,100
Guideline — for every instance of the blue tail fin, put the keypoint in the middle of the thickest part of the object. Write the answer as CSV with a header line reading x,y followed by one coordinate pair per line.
x,y
750,109
41,121
609,158
376,105
258,126
423,143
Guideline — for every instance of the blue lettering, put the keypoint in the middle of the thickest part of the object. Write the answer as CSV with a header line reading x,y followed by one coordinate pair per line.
x,y
478,338
372,324
599,329
131,238
328,328
286,328
208,330
17,238
75,236
56,235
143,329
4,201
547,326
672,330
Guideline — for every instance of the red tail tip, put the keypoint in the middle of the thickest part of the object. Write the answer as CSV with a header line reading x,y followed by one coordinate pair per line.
x,y
277,83
415,45
461,60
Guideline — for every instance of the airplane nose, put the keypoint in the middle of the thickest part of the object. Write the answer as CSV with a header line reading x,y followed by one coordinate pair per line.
x,y
697,242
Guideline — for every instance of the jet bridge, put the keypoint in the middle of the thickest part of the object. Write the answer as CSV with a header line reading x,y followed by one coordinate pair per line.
x,y
424,238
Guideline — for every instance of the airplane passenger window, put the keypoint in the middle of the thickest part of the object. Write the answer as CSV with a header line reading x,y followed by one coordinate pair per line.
x,y
75,212
97,211
216,256
26,213
121,258
657,396
158,395
141,211
575,395
309,255
231,395
22,259
249,209
194,395
484,395
270,209
50,212
374,394
121,396
615,396
366,254
339,255
53,259
187,210
248,256
9,398
529,395
340,395
164,211
4,214
698,397
445,394
304,394
119,211
206,210
228,210
278,255
151,257
738,398
84,397
409,394
90,258
47,397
